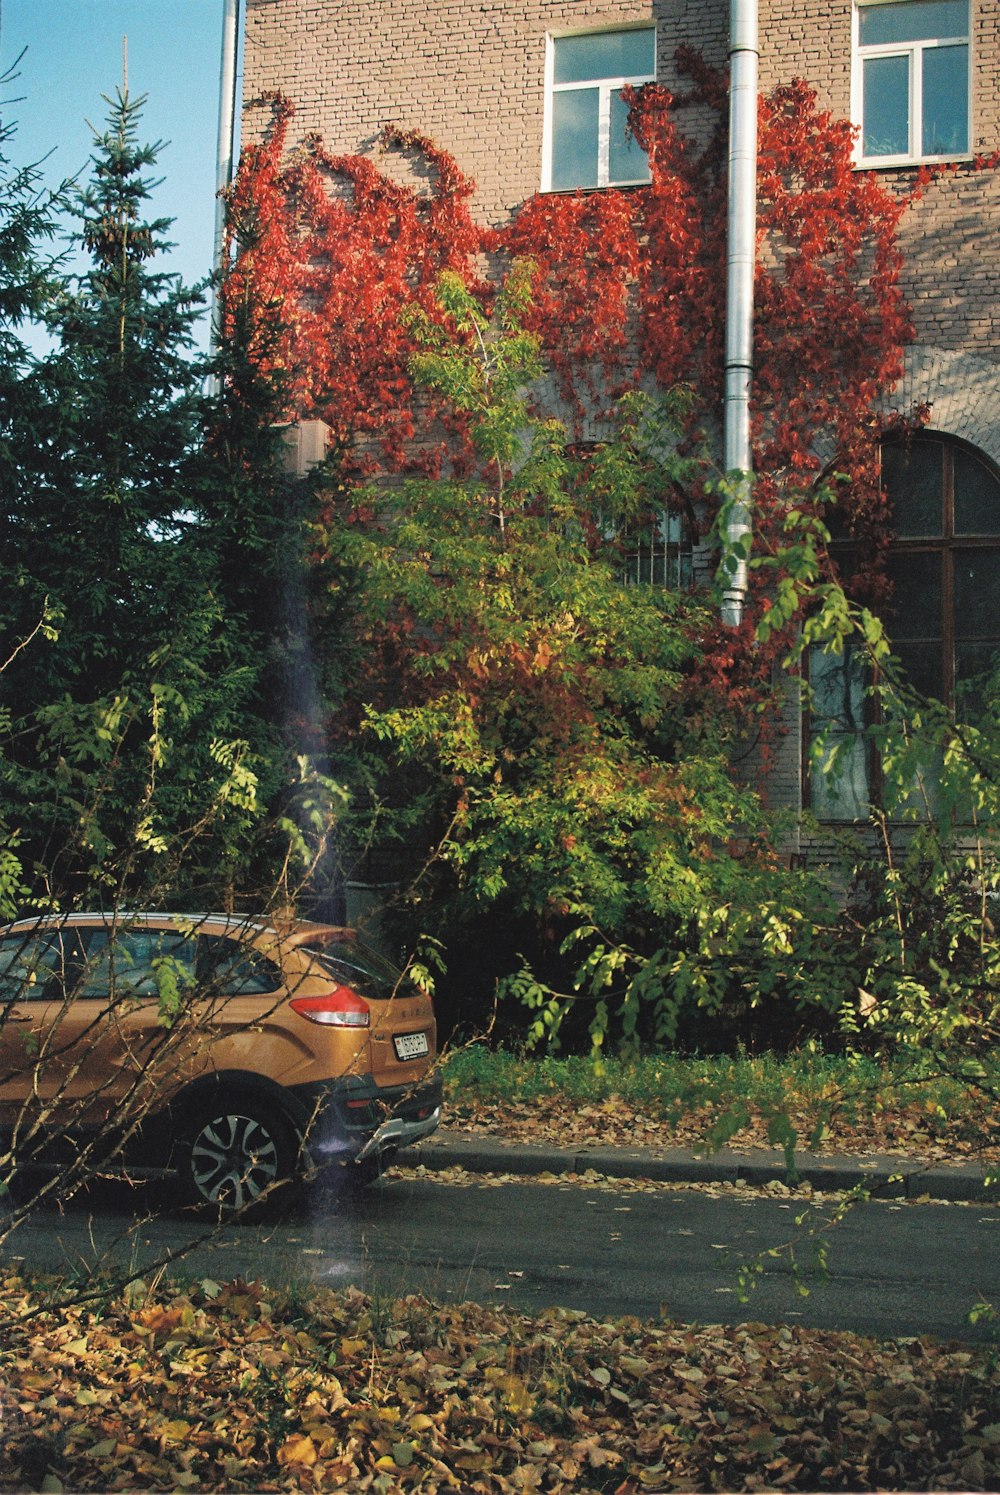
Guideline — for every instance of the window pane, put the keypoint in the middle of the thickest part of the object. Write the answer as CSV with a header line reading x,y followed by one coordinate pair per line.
x,y
977,587
977,682
913,479
37,966
839,787
886,106
361,969
604,54
127,964
977,496
923,665
627,160
574,138
912,21
659,555
839,784
232,968
946,101
915,611
838,691
976,667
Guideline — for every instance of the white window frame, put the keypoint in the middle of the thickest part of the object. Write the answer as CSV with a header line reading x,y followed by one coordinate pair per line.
x,y
914,52
607,88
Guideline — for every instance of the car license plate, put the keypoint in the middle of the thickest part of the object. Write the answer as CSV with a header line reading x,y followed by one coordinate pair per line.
x,y
410,1045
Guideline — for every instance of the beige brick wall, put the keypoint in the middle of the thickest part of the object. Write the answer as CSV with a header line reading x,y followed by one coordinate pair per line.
x,y
472,77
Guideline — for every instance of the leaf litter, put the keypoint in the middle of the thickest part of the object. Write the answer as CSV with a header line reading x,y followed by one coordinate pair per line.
x,y
238,1387
458,1177
908,1127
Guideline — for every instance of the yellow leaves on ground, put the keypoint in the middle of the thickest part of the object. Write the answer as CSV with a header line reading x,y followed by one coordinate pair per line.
x,y
910,1127
240,1389
300,1450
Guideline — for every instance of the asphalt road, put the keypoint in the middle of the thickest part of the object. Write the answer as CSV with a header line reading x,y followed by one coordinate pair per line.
x,y
894,1268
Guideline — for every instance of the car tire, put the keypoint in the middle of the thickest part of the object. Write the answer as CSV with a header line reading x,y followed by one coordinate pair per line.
x,y
238,1156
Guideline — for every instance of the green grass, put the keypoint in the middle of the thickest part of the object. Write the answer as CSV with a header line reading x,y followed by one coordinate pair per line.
x,y
670,1085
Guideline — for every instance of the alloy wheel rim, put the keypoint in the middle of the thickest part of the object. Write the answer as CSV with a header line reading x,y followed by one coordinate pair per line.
x,y
234,1160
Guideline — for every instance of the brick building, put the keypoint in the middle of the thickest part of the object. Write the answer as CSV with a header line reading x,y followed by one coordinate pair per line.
x,y
524,94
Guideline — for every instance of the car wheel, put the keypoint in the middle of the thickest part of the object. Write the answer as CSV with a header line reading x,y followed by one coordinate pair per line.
x,y
236,1158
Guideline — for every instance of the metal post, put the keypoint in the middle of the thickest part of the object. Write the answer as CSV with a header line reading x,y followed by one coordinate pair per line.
x,y
740,258
226,149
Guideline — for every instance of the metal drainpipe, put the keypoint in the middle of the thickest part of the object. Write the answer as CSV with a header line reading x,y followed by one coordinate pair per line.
x,y
740,257
226,147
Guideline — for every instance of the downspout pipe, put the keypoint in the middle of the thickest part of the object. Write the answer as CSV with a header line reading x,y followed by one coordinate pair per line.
x,y
226,145
740,259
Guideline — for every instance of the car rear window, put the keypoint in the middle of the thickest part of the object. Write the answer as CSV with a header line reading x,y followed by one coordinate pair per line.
x,y
356,966
233,968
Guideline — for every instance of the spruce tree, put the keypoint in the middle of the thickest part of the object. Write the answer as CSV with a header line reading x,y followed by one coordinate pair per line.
x,y
122,396
27,278
130,725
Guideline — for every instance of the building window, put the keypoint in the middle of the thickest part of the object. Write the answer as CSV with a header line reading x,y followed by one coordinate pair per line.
x,y
659,555
587,143
911,80
943,621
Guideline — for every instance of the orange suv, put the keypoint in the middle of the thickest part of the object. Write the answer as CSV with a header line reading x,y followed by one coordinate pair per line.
x,y
233,1052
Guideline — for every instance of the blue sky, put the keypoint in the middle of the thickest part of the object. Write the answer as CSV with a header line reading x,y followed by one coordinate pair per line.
x,y
74,55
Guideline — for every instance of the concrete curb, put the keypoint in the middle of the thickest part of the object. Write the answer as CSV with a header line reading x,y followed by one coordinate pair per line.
x,y
884,1176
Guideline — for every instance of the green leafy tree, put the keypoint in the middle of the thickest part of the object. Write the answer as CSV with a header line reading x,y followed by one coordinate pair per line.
x,y
540,763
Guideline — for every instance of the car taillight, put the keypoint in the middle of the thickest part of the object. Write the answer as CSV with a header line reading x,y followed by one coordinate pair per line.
x,y
340,1008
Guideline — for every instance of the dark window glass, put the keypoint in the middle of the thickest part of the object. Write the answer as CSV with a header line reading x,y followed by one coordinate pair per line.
x,y
924,666
40,966
126,962
915,611
363,970
233,968
977,496
840,767
913,479
658,554
977,594
976,677
943,620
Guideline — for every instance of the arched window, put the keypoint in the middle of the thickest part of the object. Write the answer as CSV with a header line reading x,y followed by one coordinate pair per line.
x,y
944,617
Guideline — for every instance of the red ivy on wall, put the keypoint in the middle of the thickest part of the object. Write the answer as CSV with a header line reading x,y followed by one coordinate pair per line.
x,y
330,251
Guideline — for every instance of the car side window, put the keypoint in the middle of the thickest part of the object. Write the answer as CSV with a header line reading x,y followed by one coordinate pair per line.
x,y
233,968
139,963
39,967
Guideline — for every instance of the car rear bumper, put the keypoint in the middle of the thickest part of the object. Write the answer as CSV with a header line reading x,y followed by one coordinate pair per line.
x,y
396,1133
355,1119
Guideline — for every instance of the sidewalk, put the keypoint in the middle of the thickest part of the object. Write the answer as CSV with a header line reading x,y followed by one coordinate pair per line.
x,y
888,1177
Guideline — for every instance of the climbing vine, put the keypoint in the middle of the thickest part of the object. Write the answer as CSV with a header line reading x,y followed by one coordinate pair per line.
x,y
334,252
336,261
